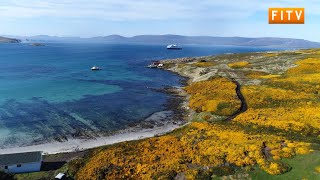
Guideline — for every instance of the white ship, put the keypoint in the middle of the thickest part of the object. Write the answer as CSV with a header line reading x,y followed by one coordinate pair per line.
x,y
174,47
95,68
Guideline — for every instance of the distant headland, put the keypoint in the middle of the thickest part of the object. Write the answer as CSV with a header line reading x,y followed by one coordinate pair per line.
x,y
9,40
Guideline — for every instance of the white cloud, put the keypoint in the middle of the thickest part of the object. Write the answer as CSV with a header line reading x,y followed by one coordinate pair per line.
x,y
129,10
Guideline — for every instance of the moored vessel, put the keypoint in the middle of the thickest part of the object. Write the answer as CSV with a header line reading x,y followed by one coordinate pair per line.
x,y
95,68
174,47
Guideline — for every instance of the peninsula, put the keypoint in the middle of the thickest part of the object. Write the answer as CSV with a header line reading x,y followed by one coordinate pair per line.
x,y
250,116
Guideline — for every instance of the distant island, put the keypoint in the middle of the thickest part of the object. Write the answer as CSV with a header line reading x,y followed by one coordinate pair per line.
x,y
182,40
9,40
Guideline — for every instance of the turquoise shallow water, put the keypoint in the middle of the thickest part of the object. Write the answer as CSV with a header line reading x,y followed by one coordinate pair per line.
x,y
50,91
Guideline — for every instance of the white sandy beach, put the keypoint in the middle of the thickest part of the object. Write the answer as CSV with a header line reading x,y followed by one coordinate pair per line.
x,y
71,145
82,144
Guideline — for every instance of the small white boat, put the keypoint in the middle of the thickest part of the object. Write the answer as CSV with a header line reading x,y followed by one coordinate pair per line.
x,y
155,64
95,68
174,47
152,66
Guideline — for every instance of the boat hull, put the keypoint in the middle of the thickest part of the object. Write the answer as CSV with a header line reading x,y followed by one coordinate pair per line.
x,y
174,48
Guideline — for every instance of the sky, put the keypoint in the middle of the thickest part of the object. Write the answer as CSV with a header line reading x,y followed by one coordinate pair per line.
x,y
89,18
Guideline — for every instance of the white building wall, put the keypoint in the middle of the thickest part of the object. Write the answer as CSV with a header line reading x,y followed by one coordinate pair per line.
x,y
27,167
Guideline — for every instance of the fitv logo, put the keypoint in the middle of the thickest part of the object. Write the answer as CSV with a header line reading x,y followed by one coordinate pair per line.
x,y
286,15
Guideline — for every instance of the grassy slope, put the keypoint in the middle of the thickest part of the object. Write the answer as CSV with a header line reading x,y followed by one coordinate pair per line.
x,y
36,175
303,167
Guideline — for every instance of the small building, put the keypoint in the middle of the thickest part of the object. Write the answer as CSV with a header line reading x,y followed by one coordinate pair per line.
x,y
21,162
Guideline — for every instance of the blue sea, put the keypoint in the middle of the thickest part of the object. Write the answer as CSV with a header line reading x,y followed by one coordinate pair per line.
x,y
50,91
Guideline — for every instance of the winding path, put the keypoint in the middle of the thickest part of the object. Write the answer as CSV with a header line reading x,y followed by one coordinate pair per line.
x,y
244,106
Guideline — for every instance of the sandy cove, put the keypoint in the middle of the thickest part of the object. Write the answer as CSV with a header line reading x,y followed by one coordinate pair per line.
x,y
157,124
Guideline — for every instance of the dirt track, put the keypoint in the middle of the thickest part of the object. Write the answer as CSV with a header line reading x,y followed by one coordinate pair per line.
x,y
244,106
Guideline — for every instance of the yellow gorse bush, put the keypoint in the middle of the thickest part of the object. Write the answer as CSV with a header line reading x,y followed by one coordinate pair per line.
x,y
201,143
217,95
288,103
240,64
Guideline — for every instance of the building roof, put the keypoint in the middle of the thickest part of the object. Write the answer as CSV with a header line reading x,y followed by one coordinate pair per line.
x,y
20,158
